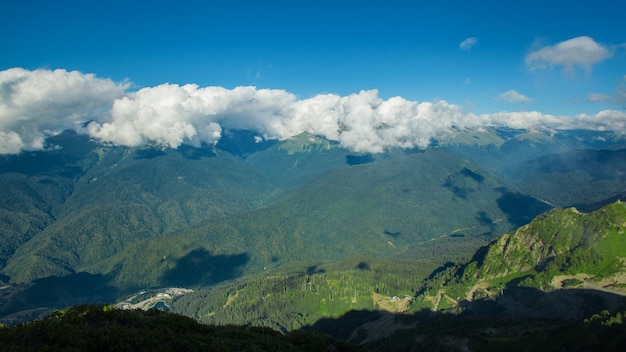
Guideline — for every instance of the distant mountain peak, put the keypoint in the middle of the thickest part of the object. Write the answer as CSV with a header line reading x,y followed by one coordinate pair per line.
x,y
306,142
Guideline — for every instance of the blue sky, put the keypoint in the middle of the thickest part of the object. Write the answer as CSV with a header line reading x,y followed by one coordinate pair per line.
x,y
511,59
400,48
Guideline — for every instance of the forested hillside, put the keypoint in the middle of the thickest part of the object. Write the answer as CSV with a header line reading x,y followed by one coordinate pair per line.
x,y
85,222
556,283
101,328
559,249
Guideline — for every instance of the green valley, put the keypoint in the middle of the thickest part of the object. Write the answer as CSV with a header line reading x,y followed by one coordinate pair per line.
x,y
302,233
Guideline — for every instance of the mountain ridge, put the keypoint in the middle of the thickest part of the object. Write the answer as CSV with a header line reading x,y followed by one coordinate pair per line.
x,y
134,217
559,245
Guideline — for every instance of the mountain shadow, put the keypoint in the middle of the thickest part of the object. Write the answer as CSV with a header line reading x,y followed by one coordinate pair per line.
x,y
148,154
471,174
521,319
440,269
41,163
4,279
593,206
63,157
359,159
102,328
458,184
243,142
363,266
186,151
520,208
43,295
600,164
484,219
518,302
460,192
196,153
201,268
313,269
393,234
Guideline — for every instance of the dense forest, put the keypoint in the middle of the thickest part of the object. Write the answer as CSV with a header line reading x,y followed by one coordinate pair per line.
x,y
101,328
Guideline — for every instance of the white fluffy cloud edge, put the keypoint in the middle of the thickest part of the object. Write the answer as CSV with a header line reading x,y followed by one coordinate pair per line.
x,y
41,103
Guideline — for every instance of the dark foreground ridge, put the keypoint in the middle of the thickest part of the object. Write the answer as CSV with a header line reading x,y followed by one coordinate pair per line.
x,y
101,328
490,325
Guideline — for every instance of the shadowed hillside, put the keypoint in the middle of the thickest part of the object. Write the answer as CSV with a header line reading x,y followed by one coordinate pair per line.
x,y
481,327
101,328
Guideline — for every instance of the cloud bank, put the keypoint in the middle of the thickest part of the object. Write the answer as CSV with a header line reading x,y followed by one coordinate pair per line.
x,y
582,52
40,103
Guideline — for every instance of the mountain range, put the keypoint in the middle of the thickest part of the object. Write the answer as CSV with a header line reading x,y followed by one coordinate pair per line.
x,y
556,283
84,222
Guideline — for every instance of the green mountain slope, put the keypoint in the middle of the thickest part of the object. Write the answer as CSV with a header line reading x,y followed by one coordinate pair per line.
x,y
130,218
560,249
556,283
422,204
570,168
582,178
298,296
564,265
34,187
127,195
23,213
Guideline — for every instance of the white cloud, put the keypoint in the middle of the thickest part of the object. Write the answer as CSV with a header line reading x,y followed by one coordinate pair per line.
x,y
580,52
10,143
598,98
34,104
170,115
468,43
618,96
512,96
606,120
